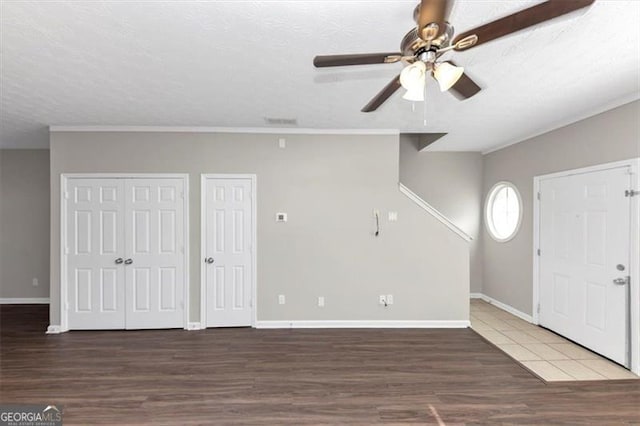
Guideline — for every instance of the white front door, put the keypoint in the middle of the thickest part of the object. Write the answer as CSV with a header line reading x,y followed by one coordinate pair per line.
x,y
95,250
228,234
154,246
584,259
125,251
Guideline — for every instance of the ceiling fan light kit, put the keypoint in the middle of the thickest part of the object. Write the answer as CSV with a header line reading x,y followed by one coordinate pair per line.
x,y
433,36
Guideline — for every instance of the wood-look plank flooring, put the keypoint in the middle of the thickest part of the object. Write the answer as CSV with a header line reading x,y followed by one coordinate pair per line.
x,y
247,376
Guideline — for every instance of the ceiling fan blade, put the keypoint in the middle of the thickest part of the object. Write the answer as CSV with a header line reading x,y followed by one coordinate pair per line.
x,y
432,12
383,95
464,88
355,59
520,20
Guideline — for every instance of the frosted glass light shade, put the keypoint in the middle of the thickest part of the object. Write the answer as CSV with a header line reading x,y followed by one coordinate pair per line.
x,y
413,78
447,75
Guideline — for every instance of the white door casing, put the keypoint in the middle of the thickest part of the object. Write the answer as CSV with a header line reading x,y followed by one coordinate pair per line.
x,y
228,240
154,247
95,245
584,233
129,270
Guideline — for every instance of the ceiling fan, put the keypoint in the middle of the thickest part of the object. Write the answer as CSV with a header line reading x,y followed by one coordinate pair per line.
x,y
422,47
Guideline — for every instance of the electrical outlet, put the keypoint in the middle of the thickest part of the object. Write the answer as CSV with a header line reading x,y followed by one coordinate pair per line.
x,y
393,216
35,282
382,300
281,299
389,299
321,301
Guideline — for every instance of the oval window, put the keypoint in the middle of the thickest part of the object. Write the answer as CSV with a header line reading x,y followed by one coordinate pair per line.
x,y
503,211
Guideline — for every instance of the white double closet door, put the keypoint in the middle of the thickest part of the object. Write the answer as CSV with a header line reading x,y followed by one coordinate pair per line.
x,y
125,253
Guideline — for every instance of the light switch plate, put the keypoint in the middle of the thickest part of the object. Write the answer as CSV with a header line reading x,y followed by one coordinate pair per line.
x,y
393,216
321,301
282,143
281,299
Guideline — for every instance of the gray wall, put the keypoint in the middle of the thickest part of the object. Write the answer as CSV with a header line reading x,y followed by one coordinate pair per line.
x,y
452,183
610,136
24,223
329,186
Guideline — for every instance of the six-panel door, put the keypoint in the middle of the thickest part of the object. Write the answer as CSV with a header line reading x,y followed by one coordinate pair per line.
x,y
584,242
95,249
228,258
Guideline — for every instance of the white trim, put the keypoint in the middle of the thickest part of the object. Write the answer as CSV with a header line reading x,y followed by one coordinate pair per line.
x,y
208,129
634,255
54,329
503,306
192,326
24,300
488,204
254,242
567,121
364,324
433,212
64,177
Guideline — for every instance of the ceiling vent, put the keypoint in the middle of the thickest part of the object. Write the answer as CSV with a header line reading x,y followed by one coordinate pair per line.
x,y
272,121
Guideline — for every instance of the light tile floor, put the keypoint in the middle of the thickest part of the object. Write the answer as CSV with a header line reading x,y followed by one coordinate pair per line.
x,y
546,354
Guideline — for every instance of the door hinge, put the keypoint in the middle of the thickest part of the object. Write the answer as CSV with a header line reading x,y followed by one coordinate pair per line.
x,y
66,195
539,195
182,194
538,309
539,252
631,193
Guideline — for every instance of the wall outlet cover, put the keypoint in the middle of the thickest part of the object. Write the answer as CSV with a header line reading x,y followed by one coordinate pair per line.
x,y
321,301
281,299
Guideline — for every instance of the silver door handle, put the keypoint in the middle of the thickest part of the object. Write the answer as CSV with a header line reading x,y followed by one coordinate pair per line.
x,y
209,260
119,261
128,262
621,281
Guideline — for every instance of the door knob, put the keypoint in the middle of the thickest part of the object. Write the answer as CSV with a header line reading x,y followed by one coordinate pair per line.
x,y
128,262
621,281
209,260
119,261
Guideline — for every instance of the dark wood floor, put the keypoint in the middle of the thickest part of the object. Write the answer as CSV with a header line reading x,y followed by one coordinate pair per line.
x,y
247,376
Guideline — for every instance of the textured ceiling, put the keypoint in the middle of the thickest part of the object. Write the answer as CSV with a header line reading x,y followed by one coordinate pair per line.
x,y
233,63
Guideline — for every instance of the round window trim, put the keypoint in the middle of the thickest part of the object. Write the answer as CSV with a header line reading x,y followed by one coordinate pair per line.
x,y
495,189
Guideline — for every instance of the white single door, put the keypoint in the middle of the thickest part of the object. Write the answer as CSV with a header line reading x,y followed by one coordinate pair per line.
x,y
584,259
155,254
95,251
228,271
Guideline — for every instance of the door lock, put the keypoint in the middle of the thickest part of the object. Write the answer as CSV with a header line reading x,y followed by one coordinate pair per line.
x,y
209,260
119,261
621,281
128,261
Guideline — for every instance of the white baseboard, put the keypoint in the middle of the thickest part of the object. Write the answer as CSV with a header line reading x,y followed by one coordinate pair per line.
x,y
193,326
24,300
54,329
363,324
503,306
